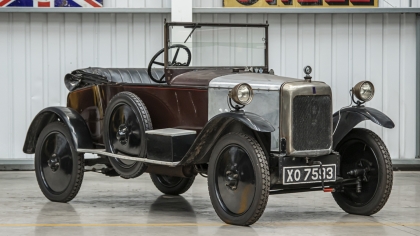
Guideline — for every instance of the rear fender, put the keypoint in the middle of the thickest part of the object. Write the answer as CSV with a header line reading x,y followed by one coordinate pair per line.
x,y
73,120
244,122
348,118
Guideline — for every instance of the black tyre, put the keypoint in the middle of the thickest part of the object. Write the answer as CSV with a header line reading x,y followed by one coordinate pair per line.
x,y
126,121
172,185
238,179
59,168
361,149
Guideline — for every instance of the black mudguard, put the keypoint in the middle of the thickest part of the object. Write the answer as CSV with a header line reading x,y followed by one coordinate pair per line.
x,y
219,125
73,120
352,116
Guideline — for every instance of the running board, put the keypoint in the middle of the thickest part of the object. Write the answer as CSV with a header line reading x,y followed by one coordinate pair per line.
x,y
103,152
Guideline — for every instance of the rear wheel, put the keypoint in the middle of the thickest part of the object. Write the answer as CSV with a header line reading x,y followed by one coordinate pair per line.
x,y
238,179
364,156
126,121
59,168
172,185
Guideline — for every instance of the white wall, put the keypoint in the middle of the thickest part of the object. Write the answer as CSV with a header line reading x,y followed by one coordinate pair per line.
x,y
159,3
344,49
39,49
138,3
399,3
210,3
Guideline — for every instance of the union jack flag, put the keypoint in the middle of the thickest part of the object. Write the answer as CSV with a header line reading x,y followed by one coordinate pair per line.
x,y
51,3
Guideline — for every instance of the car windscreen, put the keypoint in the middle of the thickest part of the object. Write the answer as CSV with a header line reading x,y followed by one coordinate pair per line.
x,y
213,46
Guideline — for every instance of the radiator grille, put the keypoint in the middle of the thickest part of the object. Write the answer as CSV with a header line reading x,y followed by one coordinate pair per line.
x,y
311,122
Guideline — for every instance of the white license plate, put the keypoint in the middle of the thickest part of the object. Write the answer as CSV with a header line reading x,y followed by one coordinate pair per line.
x,y
308,174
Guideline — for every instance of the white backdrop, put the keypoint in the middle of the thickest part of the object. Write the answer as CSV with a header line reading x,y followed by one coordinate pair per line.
x,y
344,49
38,49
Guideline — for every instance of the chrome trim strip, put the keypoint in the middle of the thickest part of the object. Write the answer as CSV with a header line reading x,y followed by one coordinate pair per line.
x,y
145,160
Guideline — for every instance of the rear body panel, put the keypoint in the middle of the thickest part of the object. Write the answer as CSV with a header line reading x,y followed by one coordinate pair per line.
x,y
169,106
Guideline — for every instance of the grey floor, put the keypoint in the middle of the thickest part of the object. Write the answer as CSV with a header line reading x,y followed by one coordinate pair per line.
x,y
114,206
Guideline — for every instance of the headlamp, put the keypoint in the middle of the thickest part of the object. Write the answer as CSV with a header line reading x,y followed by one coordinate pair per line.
x,y
242,94
364,91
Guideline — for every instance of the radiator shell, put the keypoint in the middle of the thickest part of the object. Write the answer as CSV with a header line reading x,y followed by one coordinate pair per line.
x,y
307,131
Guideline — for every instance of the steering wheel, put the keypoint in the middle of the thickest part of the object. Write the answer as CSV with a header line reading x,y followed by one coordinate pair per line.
x,y
173,63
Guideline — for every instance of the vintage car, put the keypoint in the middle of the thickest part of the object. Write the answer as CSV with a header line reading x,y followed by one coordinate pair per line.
x,y
228,119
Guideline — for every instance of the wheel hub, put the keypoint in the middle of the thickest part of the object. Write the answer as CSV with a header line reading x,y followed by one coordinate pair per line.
x,y
359,162
122,134
235,180
362,170
54,163
232,179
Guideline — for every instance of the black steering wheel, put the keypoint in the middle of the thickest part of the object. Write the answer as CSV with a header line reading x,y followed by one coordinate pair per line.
x,y
173,63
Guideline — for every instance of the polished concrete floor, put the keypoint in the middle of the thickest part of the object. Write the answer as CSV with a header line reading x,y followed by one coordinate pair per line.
x,y
114,206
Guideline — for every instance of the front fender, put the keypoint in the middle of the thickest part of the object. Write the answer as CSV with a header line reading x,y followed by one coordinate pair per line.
x,y
73,120
218,126
348,118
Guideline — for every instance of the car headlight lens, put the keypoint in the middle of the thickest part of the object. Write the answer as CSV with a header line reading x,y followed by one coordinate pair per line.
x,y
364,90
242,94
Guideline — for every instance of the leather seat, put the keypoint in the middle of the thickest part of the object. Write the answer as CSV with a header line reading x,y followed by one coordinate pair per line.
x,y
126,75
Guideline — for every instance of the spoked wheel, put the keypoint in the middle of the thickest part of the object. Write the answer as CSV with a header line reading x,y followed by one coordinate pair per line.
x,y
58,166
172,185
364,156
126,121
238,179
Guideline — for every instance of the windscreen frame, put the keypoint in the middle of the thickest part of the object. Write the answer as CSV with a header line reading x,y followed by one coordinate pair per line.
x,y
232,25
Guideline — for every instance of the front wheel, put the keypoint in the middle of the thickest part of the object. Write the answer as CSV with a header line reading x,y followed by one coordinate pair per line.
x,y
364,156
238,179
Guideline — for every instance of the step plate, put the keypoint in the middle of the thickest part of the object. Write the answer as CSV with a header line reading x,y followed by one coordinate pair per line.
x,y
103,152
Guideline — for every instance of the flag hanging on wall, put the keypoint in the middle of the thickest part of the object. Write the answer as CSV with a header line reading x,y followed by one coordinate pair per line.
x,y
51,3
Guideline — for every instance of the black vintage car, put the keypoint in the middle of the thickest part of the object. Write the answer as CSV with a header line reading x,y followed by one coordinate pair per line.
x,y
250,132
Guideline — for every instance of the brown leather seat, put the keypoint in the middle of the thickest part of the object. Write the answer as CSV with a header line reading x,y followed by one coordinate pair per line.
x,y
126,75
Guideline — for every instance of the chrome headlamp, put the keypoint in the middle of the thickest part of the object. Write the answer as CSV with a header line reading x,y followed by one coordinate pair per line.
x,y
364,91
242,94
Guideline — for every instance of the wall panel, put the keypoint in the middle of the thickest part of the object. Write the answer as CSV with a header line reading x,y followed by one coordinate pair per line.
x,y
342,49
398,3
206,3
374,63
6,141
19,57
39,49
138,3
391,67
407,87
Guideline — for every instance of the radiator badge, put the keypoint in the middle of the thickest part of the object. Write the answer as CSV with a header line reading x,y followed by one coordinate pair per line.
x,y
313,90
